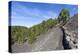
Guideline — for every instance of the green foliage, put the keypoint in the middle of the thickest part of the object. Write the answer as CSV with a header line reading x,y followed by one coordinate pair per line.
x,y
21,34
18,34
63,15
36,30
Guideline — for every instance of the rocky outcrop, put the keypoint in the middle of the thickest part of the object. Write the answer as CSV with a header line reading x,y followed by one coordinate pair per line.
x,y
71,31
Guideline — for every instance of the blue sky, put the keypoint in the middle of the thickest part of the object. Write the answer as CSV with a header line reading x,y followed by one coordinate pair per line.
x,y
28,13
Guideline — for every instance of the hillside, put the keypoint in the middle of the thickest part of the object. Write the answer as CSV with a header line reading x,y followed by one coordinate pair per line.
x,y
18,34
51,34
53,39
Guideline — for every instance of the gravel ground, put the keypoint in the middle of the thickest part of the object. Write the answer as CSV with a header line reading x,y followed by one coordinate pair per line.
x,y
51,40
